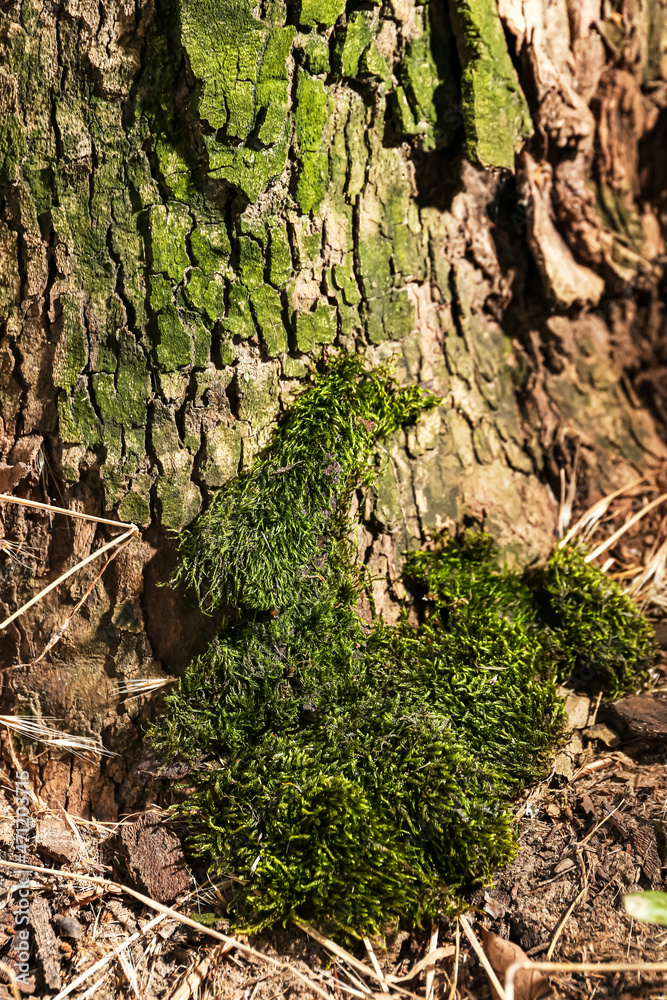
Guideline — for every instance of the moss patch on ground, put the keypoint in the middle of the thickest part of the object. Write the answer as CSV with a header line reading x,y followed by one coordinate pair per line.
x,y
362,773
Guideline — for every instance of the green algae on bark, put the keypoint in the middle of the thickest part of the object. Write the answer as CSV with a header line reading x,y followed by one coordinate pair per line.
x,y
495,112
356,774
189,178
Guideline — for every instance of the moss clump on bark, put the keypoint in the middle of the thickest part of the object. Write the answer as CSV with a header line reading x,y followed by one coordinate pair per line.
x,y
270,531
362,773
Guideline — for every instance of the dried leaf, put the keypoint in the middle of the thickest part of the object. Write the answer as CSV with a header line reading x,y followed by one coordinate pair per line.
x,y
529,984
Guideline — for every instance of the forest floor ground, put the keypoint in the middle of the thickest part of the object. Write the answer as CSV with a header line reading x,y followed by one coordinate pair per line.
x,y
593,831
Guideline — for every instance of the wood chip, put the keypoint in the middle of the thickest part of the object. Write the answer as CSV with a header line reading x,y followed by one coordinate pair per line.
x,y
639,715
55,839
646,847
154,857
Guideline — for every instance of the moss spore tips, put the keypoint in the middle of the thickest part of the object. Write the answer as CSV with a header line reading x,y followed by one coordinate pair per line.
x,y
363,773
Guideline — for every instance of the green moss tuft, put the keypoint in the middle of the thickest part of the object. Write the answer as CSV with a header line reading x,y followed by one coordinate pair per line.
x,y
363,772
602,639
246,551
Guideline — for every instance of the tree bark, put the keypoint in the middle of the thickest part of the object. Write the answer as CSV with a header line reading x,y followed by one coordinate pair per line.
x,y
201,199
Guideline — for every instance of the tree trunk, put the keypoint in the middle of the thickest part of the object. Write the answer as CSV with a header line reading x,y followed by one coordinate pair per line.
x,y
201,200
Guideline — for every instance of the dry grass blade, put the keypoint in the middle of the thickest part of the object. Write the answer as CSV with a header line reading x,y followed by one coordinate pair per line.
x,y
608,542
571,908
479,951
358,989
64,576
12,550
430,968
574,967
455,978
30,729
592,516
568,493
107,959
60,631
193,980
125,962
142,685
338,985
93,989
355,963
11,975
181,918
375,964
63,510
649,585
433,956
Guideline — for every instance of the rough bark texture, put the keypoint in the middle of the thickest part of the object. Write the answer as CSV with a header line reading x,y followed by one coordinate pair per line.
x,y
199,199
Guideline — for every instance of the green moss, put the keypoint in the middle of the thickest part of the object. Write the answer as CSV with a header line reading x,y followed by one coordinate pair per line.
x,y
224,42
331,428
424,86
135,509
344,281
267,307
239,322
240,62
71,353
315,328
374,63
205,294
84,417
168,231
12,146
427,90
365,771
173,346
404,118
210,246
316,55
280,257
601,638
251,262
174,169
